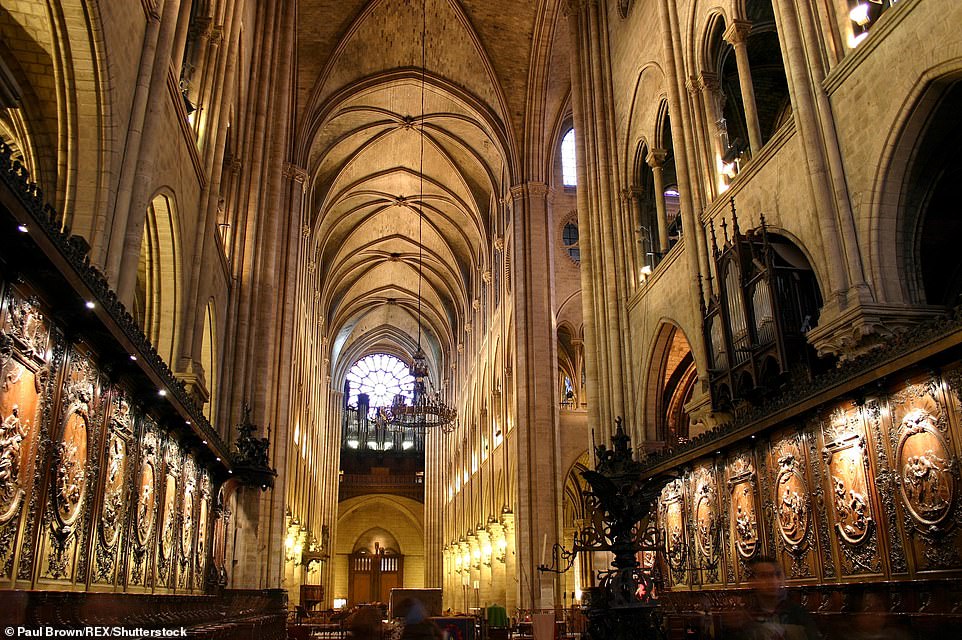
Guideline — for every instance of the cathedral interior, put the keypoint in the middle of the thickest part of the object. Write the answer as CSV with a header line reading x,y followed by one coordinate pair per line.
x,y
309,304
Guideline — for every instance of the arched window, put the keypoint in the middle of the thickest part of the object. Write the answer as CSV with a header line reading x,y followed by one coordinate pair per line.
x,y
569,236
569,173
381,377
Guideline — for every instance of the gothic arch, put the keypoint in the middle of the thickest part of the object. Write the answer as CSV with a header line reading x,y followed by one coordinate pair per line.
x,y
210,360
912,166
670,382
66,135
158,290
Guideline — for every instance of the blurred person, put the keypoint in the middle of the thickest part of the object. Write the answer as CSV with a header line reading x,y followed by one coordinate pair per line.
x,y
416,623
365,623
768,613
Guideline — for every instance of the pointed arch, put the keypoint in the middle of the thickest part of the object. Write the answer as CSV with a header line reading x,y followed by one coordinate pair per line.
x,y
670,383
157,295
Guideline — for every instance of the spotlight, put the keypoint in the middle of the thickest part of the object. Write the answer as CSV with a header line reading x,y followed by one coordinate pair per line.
x,y
860,14
22,228
90,304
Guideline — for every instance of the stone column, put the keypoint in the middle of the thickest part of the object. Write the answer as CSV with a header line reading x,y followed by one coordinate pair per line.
x,y
512,580
498,578
708,91
632,218
704,138
598,411
656,160
487,578
686,186
536,396
134,190
737,36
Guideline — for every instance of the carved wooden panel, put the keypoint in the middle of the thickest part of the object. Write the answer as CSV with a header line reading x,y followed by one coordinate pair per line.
x,y
849,494
93,494
672,518
140,560
185,552
24,381
789,504
74,466
925,475
118,477
743,511
168,532
201,548
705,527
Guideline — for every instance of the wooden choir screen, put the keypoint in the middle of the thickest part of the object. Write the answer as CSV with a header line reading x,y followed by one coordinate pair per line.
x,y
864,491
94,493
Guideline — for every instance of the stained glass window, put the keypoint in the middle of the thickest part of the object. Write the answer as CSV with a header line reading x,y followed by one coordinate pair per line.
x,y
381,377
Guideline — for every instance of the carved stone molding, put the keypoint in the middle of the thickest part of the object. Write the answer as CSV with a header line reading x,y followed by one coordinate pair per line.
x,y
862,328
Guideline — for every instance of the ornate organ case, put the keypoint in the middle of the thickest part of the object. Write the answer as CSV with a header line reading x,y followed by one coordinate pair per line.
x,y
761,303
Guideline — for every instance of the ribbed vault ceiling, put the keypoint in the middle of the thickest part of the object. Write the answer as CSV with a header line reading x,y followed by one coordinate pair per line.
x,y
363,102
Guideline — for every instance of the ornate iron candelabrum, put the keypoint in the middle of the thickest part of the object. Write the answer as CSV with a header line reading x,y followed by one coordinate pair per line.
x,y
619,507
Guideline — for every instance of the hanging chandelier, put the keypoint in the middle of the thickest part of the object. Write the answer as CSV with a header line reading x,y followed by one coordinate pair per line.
x,y
427,410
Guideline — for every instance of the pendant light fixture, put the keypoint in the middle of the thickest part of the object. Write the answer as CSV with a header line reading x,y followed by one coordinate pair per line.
x,y
428,409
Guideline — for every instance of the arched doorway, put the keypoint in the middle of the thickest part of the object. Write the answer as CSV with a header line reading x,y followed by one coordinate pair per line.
x,y
375,567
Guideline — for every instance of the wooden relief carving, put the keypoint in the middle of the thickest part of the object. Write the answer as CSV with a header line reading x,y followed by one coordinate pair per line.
x,y
116,487
791,503
200,549
19,404
147,496
111,517
71,481
24,374
926,468
187,522
886,484
849,488
819,506
70,465
926,473
744,521
145,510
847,474
706,518
167,532
673,528
25,327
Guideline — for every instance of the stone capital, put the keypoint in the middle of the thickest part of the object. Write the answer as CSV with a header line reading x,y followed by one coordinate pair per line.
x,y
529,190
737,32
708,81
656,158
295,173
217,34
